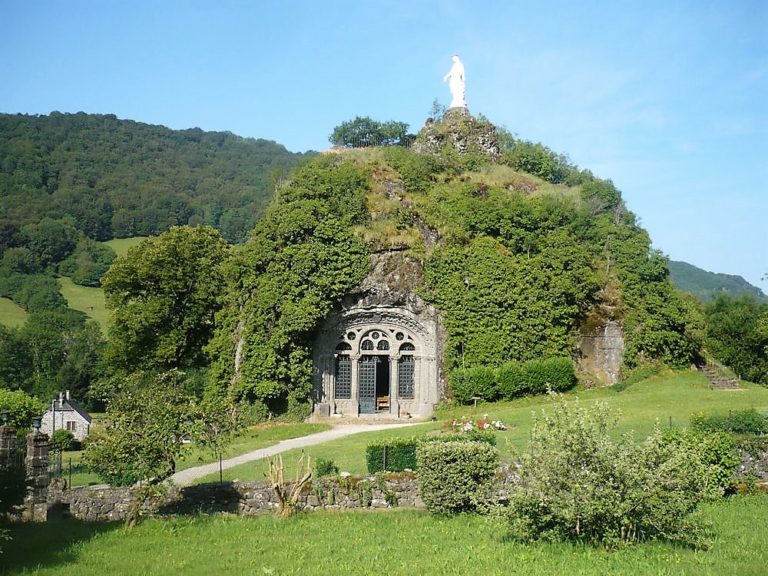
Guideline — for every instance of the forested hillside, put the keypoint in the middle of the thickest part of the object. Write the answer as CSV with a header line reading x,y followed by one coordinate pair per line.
x,y
706,286
120,178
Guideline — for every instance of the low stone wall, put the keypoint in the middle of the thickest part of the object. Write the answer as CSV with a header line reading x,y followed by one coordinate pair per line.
x,y
247,498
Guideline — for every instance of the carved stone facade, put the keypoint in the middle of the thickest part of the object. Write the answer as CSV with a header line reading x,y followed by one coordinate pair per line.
x,y
381,353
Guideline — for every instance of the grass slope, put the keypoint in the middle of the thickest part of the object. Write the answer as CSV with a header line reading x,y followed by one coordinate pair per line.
x,y
673,396
11,314
122,245
86,299
393,543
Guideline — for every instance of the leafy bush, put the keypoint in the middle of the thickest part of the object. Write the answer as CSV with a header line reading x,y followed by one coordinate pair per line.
x,y
21,407
737,422
510,381
455,476
716,450
393,455
62,440
579,484
325,467
477,381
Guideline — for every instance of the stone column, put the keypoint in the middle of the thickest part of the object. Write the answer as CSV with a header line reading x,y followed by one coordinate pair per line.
x,y
355,358
37,462
394,376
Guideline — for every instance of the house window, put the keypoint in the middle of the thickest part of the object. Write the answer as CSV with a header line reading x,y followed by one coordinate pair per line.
x,y
72,426
367,345
405,369
343,388
382,345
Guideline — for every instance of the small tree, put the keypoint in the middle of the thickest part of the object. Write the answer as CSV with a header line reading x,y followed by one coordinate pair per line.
x,y
143,434
364,131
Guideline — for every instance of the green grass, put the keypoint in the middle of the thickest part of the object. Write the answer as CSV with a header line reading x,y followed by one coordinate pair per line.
x,y
673,395
122,245
86,299
396,542
11,314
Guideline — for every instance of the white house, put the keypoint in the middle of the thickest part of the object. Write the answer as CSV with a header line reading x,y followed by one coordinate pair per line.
x,y
65,413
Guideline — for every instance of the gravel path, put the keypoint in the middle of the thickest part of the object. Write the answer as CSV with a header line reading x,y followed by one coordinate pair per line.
x,y
186,477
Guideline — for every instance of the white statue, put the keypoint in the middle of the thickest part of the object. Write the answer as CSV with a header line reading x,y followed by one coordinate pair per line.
x,y
455,78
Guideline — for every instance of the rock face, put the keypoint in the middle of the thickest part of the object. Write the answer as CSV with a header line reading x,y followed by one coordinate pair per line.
x,y
602,352
460,130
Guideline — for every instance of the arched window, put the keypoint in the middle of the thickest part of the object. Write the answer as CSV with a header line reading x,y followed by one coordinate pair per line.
x,y
343,347
367,345
405,370
407,347
382,345
343,386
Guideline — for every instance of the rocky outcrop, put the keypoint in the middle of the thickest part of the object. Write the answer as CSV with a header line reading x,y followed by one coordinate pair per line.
x,y
458,129
602,352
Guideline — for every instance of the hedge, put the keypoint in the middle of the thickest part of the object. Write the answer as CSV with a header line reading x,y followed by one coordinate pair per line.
x,y
393,455
455,476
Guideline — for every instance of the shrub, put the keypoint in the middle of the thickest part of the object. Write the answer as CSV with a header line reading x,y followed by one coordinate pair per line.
x,y
455,476
579,484
535,377
62,440
477,381
21,408
510,380
393,455
737,421
487,436
325,467
716,450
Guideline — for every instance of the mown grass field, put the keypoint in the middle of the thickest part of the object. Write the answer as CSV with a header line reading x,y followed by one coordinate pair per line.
x,y
11,314
86,299
398,542
122,245
672,396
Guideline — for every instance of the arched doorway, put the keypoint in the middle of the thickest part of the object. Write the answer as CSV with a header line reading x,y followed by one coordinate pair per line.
x,y
376,365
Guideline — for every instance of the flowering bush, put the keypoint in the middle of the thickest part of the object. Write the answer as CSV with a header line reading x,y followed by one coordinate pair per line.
x,y
466,425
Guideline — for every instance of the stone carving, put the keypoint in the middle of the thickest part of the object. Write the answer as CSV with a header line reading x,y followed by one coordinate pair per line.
x,y
456,83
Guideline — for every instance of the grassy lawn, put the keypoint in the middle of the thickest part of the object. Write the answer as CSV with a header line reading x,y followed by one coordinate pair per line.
x,y
86,299
11,314
396,542
122,245
674,395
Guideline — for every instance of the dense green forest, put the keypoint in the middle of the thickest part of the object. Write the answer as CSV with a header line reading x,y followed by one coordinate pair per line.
x,y
706,286
119,178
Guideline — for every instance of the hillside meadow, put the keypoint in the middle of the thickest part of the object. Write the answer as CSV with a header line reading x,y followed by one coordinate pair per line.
x,y
11,314
668,399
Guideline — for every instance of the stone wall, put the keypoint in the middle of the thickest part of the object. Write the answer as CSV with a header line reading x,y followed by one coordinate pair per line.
x,y
246,498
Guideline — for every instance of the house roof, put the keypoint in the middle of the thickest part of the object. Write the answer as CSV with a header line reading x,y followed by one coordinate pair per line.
x,y
69,405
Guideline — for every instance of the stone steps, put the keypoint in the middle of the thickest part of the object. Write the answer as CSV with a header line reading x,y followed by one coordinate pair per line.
x,y
716,380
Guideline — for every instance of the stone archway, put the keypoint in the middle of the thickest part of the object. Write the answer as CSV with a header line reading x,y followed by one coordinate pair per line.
x,y
381,360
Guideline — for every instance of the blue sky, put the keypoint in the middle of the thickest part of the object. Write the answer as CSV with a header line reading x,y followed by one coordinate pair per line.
x,y
667,99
